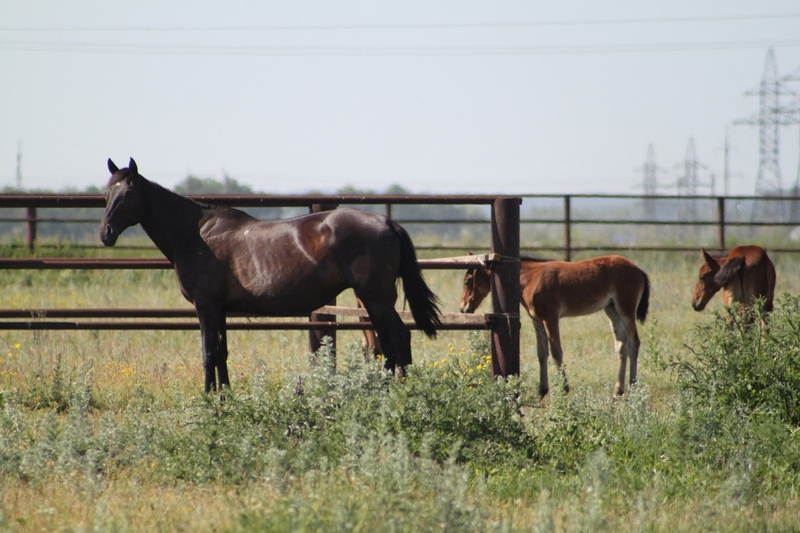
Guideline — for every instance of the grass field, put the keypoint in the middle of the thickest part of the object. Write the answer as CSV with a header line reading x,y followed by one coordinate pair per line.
x,y
109,431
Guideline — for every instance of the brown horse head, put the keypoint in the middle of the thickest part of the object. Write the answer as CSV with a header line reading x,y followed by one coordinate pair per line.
x,y
477,285
124,204
706,286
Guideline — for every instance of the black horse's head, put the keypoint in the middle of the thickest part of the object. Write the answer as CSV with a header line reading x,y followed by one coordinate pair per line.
x,y
124,202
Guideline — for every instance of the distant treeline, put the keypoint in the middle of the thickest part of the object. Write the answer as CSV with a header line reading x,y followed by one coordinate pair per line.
x,y
545,213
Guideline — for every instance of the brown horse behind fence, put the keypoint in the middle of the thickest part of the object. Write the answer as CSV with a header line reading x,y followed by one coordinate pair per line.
x,y
228,261
550,290
744,275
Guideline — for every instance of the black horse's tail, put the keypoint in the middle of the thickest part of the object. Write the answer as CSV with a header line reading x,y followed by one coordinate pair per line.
x,y
423,302
644,303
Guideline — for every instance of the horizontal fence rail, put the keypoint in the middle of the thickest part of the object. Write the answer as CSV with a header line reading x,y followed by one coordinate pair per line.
x,y
255,200
157,263
185,326
37,318
34,319
716,218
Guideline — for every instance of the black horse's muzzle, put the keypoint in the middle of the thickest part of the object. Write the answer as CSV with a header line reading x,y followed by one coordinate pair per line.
x,y
108,236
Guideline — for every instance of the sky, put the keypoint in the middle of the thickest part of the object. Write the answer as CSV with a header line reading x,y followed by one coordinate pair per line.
x,y
500,97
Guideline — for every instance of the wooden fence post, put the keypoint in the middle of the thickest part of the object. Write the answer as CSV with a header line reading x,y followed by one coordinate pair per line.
x,y
505,287
30,227
721,222
315,336
567,228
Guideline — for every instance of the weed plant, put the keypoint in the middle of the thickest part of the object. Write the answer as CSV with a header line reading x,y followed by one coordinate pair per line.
x,y
752,370
109,431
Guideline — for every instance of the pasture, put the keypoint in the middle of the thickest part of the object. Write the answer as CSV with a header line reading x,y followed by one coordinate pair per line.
x,y
111,431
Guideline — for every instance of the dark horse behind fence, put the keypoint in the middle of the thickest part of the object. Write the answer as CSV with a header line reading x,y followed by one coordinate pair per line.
x,y
228,261
551,290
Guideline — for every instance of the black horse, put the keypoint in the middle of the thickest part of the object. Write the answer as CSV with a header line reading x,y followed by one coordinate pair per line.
x,y
228,261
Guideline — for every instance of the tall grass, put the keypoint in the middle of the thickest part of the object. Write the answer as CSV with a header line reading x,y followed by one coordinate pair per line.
x,y
109,430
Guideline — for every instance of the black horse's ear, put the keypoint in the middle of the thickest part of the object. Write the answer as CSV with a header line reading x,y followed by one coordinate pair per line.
x,y
132,167
111,166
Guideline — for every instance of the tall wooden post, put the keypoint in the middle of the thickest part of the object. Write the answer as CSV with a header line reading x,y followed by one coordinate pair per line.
x,y
505,287
30,227
721,223
315,336
567,228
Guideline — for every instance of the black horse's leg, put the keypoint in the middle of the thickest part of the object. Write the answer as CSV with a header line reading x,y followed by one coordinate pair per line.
x,y
209,329
222,354
394,336
210,337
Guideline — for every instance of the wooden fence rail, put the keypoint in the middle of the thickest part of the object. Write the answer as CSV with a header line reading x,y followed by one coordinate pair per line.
x,y
718,218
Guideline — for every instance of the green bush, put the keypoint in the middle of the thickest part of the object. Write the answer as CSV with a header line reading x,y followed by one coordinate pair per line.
x,y
448,448
448,411
749,369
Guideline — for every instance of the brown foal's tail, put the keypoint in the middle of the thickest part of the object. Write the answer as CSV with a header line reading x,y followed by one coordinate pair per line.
x,y
424,304
644,302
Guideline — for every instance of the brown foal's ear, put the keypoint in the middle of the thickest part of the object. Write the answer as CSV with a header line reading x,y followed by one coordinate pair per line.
x,y
111,166
710,261
132,167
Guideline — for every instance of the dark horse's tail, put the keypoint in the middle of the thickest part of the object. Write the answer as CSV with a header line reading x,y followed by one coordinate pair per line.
x,y
424,304
644,303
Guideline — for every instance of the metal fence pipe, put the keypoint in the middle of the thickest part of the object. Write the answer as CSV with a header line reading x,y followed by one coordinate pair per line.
x,y
505,287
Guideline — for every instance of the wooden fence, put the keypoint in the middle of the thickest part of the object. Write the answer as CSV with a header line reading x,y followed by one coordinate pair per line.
x,y
720,214
503,321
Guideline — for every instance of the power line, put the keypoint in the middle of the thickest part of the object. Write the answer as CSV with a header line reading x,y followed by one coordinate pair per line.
x,y
250,50
433,26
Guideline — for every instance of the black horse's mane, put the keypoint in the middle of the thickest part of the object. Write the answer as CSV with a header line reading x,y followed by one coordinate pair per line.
x,y
175,194
119,176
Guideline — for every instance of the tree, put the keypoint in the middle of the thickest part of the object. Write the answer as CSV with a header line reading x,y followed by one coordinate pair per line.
x,y
195,185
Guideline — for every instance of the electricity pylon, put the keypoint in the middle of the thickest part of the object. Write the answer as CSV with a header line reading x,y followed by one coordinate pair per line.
x,y
688,183
650,171
795,109
771,115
